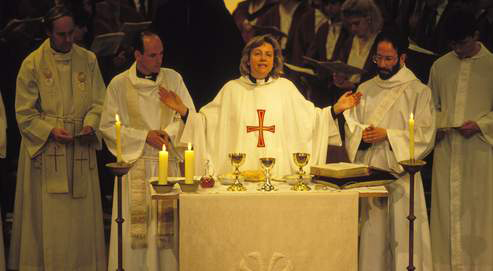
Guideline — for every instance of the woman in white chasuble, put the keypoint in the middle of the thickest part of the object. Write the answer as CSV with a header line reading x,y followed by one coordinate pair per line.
x,y
260,114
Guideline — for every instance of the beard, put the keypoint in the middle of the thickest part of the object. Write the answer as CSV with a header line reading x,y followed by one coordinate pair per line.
x,y
385,74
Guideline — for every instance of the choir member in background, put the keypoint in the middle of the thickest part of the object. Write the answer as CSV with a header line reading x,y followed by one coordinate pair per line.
x,y
364,20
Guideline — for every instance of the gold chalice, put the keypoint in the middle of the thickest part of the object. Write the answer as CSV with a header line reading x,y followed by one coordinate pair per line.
x,y
237,159
267,164
301,159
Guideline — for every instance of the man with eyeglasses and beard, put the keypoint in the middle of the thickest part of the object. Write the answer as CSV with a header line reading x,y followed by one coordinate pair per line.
x,y
377,134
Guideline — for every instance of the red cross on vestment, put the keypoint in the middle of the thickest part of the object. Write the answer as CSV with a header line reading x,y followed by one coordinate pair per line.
x,y
261,128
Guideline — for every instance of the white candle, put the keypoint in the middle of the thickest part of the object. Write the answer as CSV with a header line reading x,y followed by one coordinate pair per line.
x,y
163,166
189,164
411,137
118,126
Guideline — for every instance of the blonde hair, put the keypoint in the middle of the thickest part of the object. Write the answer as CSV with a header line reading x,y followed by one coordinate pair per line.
x,y
257,42
364,8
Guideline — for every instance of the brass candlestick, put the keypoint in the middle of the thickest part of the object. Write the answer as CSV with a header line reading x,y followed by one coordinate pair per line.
x,y
237,159
119,169
301,159
412,167
267,164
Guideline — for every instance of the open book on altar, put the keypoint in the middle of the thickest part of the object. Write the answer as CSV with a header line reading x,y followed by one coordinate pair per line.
x,y
347,175
334,66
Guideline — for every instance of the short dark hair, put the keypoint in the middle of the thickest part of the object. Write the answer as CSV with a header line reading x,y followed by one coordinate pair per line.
x,y
139,40
460,24
54,14
396,38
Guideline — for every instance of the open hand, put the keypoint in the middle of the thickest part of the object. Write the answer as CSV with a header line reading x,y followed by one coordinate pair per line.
x,y
346,101
374,134
173,101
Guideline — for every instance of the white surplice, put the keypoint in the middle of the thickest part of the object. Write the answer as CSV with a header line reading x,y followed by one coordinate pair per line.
x,y
145,106
230,123
388,104
462,203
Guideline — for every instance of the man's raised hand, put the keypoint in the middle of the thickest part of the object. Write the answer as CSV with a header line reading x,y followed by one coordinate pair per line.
x,y
173,101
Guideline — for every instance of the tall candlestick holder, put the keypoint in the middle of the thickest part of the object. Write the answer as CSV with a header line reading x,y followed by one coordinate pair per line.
x,y
412,167
119,169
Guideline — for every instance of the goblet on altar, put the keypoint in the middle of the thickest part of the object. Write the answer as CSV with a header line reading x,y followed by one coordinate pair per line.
x,y
237,159
267,164
301,159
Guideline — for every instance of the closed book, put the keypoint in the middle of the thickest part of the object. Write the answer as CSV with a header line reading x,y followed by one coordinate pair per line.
x,y
376,177
340,170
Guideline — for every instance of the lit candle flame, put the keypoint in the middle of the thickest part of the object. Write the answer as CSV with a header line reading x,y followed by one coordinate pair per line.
x,y
164,147
117,118
189,146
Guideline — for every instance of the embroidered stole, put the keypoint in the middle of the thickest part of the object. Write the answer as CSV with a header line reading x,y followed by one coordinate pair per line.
x,y
56,171
138,186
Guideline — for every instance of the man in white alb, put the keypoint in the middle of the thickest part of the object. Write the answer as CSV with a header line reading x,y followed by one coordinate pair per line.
x,y
462,205
377,134
147,125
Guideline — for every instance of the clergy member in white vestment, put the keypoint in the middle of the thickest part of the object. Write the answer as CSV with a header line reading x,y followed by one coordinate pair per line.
x,y
3,152
462,193
377,134
262,115
147,125
58,222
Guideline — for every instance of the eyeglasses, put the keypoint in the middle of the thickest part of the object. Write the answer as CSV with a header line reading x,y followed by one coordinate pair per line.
x,y
377,58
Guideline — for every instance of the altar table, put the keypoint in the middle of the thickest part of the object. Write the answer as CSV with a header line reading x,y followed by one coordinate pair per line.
x,y
269,231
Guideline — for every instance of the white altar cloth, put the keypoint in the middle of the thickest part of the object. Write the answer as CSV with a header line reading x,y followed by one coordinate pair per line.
x,y
268,231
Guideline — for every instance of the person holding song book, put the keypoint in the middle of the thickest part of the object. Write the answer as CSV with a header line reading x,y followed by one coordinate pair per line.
x,y
462,180
58,220
378,134
146,126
